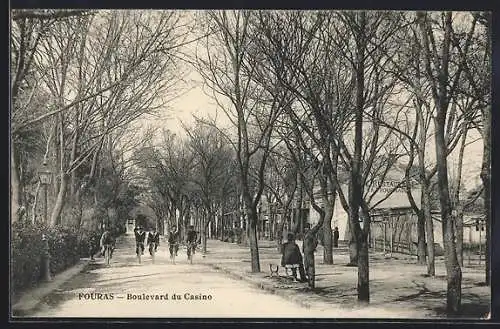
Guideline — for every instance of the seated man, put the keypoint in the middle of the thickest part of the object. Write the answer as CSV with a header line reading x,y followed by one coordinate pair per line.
x,y
291,256
107,239
153,241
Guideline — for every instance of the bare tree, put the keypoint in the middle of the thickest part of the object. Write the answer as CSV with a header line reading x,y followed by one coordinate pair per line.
x,y
211,159
477,70
444,78
229,70
28,30
281,183
116,82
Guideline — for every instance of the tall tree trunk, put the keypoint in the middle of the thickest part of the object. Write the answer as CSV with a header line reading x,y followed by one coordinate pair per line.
x,y
421,237
72,184
453,271
353,246
297,218
487,210
429,227
252,236
486,179
15,185
205,226
425,197
58,206
486,165
222,224
204,235
459,226
356,193
327,236
457,206
327,224
63,178
363,268
328,204
441,98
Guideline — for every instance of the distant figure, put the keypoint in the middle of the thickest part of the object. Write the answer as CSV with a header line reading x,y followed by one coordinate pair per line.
x,y
291,256
336,237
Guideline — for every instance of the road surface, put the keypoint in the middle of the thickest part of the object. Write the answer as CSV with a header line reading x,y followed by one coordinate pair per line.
x,y
126,288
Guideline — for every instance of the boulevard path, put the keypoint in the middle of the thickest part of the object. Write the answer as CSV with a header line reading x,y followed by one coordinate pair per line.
x,y
114,291
223,281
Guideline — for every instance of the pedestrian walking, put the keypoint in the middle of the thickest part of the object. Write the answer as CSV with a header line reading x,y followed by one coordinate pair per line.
x,y
336,237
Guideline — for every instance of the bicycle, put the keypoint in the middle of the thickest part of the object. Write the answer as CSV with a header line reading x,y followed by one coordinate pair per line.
x,y
173,248
138,250
107,253
152,251
191,248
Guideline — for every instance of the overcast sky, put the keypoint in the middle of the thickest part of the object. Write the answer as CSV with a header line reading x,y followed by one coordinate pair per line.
x,y
194,100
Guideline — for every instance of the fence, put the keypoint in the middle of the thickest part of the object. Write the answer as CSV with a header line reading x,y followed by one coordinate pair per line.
x,y
398,234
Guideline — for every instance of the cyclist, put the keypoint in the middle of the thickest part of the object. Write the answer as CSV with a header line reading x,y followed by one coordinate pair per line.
x,y
153,241
92,245
140,236
191,239
107,239
173,241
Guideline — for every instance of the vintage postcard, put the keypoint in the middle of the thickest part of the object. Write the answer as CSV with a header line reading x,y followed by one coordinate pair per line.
x,y
250,164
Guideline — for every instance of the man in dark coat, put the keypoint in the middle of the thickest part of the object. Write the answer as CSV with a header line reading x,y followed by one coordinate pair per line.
x,y
336,237
291,256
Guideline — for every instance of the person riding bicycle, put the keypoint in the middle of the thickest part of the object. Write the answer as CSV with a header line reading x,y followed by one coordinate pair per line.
x,y
173,241
191,238
140,236
107,239
153,239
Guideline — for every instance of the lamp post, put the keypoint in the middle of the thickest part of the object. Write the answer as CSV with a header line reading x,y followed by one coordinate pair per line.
x,y
45,180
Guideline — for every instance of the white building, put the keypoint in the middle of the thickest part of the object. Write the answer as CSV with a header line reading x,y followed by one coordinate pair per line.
x,y
388,197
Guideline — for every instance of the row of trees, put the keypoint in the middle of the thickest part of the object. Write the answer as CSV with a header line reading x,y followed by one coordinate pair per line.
x,y
79,81
342,96
184,176
316,101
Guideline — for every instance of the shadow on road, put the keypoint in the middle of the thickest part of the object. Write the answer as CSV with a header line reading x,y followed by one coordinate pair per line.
x,y
468,311
472,304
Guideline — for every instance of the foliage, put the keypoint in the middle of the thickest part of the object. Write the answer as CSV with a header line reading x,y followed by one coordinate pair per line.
x,y
27,249
63,248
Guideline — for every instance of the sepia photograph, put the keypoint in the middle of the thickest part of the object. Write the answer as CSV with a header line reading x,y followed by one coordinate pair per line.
x,y
297,164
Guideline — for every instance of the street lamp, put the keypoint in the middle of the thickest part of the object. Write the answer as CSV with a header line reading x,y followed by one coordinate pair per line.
x,y
45,179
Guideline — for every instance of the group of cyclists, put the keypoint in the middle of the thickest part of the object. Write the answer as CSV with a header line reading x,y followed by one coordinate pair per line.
x,y
107,241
